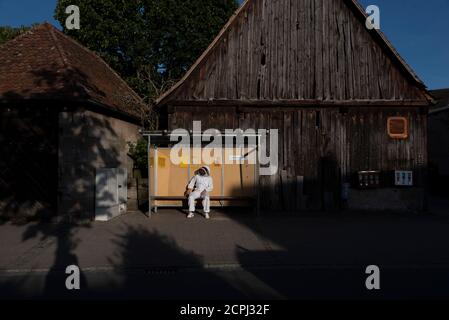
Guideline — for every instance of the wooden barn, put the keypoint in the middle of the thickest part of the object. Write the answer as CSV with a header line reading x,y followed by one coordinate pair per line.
x,y
65,120
351,114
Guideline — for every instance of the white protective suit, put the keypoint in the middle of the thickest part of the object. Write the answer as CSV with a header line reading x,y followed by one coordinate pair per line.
x,y
200,184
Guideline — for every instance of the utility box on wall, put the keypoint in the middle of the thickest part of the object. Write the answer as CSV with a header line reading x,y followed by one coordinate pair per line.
x,y
388,179
368,179
403,178
110,193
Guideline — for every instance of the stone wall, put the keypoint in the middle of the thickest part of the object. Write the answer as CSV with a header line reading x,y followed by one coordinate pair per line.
x,y
89,141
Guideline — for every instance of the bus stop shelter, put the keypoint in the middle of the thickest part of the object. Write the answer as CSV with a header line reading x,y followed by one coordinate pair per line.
x,y
235,170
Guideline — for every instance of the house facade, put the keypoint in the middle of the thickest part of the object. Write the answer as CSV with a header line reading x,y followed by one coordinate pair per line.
x,y
351,114
65,116
439,142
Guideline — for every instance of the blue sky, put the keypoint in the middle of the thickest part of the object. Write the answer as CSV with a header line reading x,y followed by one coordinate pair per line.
x,y
418,29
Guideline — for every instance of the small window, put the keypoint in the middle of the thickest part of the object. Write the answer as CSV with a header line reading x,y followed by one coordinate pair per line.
x,y
398,127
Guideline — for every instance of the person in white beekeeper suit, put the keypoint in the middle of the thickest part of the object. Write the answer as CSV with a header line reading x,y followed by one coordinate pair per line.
x,y
199,187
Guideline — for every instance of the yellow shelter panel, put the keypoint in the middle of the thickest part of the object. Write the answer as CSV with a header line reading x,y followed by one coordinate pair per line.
x,y
230,180
239,177
171,179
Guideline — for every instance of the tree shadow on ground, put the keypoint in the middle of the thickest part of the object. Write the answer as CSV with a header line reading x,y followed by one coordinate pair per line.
x,y
51,145
145,265
150,265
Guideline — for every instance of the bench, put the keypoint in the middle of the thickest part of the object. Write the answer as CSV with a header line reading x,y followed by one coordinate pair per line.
x,y
252,200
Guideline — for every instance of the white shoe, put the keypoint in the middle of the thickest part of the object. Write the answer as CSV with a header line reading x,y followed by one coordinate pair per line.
x,y
190,215
207,216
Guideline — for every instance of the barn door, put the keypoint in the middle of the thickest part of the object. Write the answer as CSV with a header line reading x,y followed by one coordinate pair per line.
x,y
111,193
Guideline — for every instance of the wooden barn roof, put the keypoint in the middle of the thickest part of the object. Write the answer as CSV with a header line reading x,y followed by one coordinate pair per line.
x,y
43,63
358,12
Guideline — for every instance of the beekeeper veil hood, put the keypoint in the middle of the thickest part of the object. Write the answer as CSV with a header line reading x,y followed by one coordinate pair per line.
x,y
207,169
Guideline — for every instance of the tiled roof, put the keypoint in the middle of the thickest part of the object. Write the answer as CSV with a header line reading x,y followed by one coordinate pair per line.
x,y
43,63
441,97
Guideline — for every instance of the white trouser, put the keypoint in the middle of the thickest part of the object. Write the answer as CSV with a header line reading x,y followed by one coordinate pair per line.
x,y
197,195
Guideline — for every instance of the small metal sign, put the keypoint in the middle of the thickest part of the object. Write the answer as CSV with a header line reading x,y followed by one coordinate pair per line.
x,y
404,178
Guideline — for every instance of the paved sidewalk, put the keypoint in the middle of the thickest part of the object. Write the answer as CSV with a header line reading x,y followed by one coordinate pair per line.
x,y
169,240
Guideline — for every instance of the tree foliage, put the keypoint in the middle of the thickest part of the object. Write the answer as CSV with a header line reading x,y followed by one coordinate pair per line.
x,y
139,153
150,43
9,33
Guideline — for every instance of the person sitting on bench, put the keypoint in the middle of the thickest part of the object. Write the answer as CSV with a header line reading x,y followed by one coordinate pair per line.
x,y
199,187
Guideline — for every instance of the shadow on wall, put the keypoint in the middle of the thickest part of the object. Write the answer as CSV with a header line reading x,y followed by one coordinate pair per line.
x,y
87,142
28,162
287,194
50,147
31,136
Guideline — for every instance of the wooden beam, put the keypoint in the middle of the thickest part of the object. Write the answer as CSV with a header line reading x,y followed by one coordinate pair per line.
x,y
301,103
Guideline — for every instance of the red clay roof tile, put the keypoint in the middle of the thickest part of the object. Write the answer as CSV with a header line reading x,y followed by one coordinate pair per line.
x,y
43,63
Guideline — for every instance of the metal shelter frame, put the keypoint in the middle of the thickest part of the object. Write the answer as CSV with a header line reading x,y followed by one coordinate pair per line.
x,y
166,134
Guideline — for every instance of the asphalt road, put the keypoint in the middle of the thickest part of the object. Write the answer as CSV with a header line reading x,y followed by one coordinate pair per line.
x,y
231,283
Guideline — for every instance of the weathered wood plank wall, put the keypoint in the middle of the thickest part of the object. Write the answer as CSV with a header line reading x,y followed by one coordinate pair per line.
x,y
319,148
312,70
298,50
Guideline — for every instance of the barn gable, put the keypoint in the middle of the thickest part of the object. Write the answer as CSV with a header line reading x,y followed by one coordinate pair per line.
x,y
299,51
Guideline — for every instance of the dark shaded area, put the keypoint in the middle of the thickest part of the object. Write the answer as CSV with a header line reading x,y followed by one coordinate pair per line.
x,y
32,134
146,265
140,251
319,256
50,149
321,149
29,147
149,265
438,144
29,162
65,236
